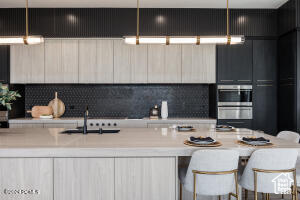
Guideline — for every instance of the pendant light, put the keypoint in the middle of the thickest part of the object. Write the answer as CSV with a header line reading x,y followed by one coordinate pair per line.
x,y
228,39
27,39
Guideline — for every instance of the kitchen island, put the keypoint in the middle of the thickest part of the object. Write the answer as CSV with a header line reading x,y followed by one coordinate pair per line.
x,y
139,163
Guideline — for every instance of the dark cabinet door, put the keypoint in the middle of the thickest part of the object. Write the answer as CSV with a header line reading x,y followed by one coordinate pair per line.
x,y
264,61
4,64
243,123
234,63
265,86
265,108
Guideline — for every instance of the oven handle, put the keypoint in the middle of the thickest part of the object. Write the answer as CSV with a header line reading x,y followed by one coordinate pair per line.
x,y
234,90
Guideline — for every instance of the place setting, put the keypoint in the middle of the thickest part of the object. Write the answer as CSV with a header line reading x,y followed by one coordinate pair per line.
x,y
255,141
202,142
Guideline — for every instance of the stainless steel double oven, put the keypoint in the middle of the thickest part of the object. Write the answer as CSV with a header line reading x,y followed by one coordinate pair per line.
x,y
235,102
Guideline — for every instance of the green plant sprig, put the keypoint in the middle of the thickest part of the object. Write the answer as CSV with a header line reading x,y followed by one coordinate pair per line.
x,y
7,96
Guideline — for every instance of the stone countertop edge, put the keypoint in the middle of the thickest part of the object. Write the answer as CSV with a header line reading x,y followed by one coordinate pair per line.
x,y
145,120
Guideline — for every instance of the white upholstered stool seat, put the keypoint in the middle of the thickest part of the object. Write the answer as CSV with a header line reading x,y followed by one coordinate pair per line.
x,y
213,171
289,135
293,137
268,164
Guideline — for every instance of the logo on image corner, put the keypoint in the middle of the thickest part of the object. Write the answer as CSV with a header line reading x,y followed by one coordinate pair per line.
x,y
283,183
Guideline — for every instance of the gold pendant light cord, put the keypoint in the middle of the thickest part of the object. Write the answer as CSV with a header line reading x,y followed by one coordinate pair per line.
x,y
27,29
227,20
138,23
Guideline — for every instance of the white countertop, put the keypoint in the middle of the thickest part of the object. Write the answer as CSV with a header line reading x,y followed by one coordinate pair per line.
x,y
79,120
129,142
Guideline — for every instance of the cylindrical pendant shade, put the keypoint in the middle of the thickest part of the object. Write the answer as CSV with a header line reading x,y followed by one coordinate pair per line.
x,y
185,40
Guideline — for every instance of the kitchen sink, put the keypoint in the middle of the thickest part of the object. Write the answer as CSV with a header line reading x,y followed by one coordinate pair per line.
x,y
79,130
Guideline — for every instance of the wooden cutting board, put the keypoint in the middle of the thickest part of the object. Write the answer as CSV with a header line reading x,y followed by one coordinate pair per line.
x,y
37,111
58,107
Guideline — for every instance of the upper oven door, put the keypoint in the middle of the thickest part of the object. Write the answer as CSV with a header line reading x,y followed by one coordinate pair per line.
x,y
235,95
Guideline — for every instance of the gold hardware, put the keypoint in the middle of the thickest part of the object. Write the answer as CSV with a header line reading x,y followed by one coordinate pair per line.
x,y
167,40
235,171
198,40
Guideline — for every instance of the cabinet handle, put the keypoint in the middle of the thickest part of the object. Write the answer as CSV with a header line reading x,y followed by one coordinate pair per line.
x,y
266,85
286,84
286,79
235,122
226,80
244,80
264,80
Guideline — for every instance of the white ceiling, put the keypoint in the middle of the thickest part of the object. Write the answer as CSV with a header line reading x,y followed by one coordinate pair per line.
x,y
144,3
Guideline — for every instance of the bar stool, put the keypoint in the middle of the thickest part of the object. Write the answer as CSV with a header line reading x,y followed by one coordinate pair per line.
x,y
289,135
212,173
265,166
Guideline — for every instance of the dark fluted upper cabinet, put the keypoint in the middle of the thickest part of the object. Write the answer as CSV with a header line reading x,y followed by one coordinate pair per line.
x,y
264,61
265,86
234,63
4,64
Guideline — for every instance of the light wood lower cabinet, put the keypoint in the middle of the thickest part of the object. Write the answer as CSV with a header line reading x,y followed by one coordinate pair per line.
x,y
145,178
84,178
26,178
138,178
26,125
34,125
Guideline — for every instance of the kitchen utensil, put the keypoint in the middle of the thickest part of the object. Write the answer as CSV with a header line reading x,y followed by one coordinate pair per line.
x,y
37,111
225,128
216,144
154,112
46,117
58,107
164,109
185,128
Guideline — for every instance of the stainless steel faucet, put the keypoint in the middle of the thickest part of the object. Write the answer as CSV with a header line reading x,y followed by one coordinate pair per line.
x,y
86,115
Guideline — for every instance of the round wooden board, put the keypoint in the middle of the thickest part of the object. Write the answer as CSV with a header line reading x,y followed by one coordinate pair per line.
x,y
216,144
58,107
264,146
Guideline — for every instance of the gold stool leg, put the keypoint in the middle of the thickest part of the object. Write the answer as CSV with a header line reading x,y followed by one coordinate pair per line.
x,y
180,191
194,192
255,186
263,196
236,186
295,190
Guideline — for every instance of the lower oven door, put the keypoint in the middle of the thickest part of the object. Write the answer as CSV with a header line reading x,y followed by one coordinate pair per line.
x,y
234,112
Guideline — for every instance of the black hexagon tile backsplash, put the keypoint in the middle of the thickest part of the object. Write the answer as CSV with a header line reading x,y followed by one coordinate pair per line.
x,y
132,101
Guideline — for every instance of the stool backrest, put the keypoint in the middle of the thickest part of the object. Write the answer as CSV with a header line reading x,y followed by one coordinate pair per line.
x,y
212,161
268,159
289,135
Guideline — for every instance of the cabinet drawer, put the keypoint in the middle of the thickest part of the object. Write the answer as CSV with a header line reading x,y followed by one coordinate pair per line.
x,y
26,178
236,123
